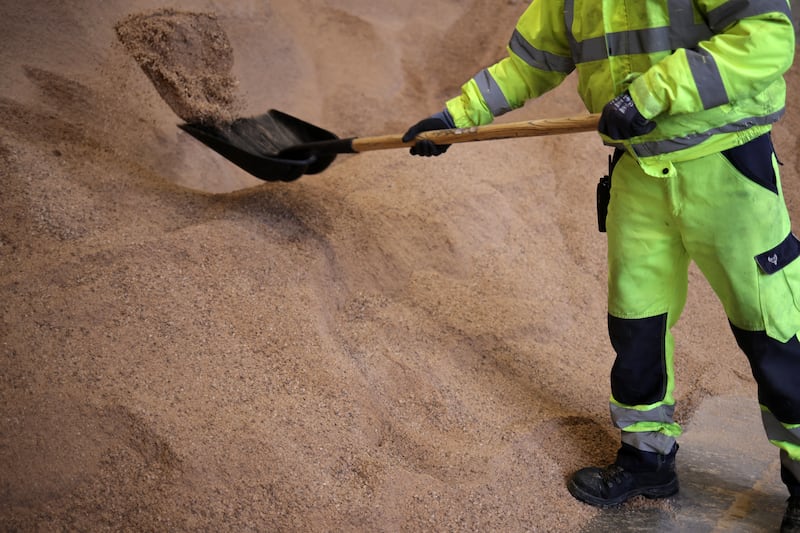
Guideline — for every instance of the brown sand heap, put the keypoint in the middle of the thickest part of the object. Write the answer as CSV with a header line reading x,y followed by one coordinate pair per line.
x,y
188,57
396,344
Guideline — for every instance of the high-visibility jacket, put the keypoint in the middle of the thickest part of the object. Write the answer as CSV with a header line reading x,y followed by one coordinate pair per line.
x,y
709,72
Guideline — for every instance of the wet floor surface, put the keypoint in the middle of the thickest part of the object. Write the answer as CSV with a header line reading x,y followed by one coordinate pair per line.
x,y
729,475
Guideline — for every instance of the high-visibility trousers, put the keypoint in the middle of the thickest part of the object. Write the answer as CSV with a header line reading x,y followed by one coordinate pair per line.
x,y
726,212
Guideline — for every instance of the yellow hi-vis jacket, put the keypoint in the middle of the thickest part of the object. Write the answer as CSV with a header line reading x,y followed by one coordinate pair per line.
x,y
708,72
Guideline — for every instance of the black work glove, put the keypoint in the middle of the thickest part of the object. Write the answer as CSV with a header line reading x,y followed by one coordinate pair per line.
x,y
440,121
621,120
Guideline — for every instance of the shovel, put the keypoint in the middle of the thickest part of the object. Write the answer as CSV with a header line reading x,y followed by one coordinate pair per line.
x,y
276,146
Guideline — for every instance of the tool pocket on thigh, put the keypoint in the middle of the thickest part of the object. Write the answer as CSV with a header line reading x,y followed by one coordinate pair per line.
x,y
779,289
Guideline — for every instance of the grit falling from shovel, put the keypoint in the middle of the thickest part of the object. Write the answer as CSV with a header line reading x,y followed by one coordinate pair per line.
x,y
188,58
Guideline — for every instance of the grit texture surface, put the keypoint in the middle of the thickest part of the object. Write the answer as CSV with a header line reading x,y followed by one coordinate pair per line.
x,y
394,344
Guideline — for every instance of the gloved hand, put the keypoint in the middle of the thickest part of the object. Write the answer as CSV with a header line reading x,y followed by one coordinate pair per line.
x,y
440,121
621,120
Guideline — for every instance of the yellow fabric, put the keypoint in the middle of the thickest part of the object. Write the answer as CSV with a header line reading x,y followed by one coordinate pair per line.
x,y
751,56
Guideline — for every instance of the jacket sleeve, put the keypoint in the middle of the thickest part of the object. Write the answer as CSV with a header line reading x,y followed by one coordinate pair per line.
x,y
753,45
538,60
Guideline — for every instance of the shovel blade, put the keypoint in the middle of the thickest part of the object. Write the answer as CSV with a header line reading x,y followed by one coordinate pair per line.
x,y
259,145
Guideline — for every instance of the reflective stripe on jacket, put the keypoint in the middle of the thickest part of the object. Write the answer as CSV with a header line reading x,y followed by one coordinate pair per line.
x,y
709,72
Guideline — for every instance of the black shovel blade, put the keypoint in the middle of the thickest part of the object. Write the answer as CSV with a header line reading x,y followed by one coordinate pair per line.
x,y
268,146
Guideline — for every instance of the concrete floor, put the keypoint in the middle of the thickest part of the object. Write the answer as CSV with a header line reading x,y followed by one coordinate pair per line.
x,y
729,475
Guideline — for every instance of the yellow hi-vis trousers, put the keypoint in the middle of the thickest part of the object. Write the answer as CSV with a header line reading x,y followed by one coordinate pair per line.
x,y
726,212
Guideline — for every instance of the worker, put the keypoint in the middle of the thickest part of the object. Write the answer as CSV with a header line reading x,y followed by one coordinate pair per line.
x,y
688,91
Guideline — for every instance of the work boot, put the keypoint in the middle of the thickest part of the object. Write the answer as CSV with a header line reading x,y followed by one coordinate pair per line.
x,y
634,473
791,518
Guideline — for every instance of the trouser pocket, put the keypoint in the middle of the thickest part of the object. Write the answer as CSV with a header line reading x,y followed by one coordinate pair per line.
x,y
754,161
779,289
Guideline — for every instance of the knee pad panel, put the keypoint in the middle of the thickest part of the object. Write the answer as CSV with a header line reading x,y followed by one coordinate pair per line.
x,y
776,369
639,375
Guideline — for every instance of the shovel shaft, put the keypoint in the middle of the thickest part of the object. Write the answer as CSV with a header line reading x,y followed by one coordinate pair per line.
x,y
276,146
528,128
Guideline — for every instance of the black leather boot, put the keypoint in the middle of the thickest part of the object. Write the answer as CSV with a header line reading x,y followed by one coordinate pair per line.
x,y
634,473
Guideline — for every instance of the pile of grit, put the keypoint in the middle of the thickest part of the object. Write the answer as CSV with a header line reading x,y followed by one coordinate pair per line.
x,y
395,344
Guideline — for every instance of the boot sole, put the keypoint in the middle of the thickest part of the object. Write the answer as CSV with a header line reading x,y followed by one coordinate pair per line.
x,y
661,491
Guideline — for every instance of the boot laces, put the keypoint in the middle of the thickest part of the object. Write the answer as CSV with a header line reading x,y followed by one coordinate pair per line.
x,y
612,475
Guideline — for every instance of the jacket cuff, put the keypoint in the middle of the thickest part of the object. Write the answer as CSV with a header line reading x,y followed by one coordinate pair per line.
x,y
456,110
647,104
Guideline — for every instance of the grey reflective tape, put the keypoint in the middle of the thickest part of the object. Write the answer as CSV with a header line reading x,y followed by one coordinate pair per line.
x,y
624,417
651,40
647,41
639,41
649,441
539,58
777,431
684,31
492,95
681,12
590,50
707,78
735,10
689,36
667,146
569,17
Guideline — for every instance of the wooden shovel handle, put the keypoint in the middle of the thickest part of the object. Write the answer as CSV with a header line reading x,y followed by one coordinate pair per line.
x,y
528,128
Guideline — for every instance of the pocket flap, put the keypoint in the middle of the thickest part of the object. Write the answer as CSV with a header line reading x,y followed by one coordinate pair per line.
x,y
775,259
